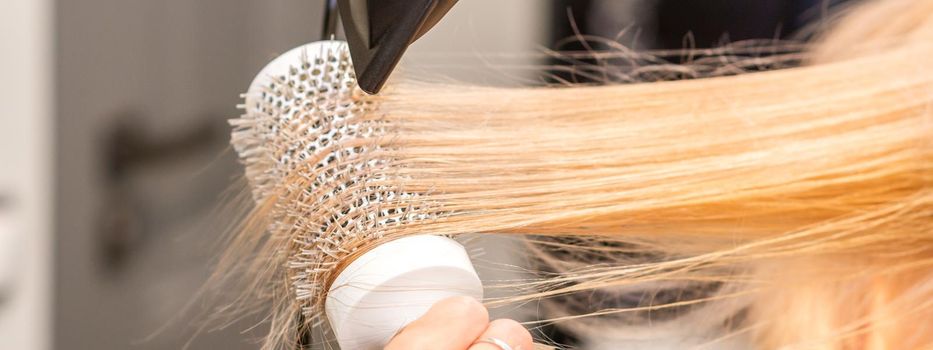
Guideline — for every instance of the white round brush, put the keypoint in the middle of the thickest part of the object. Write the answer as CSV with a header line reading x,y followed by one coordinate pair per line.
x,y
387,287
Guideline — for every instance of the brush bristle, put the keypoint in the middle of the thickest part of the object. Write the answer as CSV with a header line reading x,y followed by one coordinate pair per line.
x,y
292,112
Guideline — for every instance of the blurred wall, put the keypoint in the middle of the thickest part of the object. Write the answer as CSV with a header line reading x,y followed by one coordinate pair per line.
x,y
25,182
482,42
145,88
144,91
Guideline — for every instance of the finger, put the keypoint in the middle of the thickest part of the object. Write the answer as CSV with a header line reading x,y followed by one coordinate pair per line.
x,y
451,324
509,331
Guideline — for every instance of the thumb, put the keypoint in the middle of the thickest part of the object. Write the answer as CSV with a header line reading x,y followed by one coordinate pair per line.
x,y
451,324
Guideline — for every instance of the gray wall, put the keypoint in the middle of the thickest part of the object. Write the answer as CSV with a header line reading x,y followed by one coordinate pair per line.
x,y
133,249
133,246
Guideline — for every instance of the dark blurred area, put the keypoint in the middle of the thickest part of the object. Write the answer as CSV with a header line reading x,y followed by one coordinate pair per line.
x,y
118,177
664,24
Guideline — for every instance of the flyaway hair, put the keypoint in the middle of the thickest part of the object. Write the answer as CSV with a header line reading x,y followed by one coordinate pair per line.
x,y
799,201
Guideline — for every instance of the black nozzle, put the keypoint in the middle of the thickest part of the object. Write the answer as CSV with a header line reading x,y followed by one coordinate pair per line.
x,y
379,31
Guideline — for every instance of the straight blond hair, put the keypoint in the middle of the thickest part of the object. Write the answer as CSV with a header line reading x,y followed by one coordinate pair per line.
x,y
807,190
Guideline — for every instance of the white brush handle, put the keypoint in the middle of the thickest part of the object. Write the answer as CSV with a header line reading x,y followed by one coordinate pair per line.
x,y
388,287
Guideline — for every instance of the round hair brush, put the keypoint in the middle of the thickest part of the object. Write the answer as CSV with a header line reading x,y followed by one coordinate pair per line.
x,y
303,122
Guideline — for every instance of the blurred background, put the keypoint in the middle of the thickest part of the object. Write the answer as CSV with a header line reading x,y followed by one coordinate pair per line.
x,y
114,136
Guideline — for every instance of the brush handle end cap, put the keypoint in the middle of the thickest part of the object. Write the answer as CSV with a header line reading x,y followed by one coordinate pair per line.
x,y
394,284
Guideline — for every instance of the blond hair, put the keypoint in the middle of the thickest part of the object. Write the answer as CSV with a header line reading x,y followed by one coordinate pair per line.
x,y
807,190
